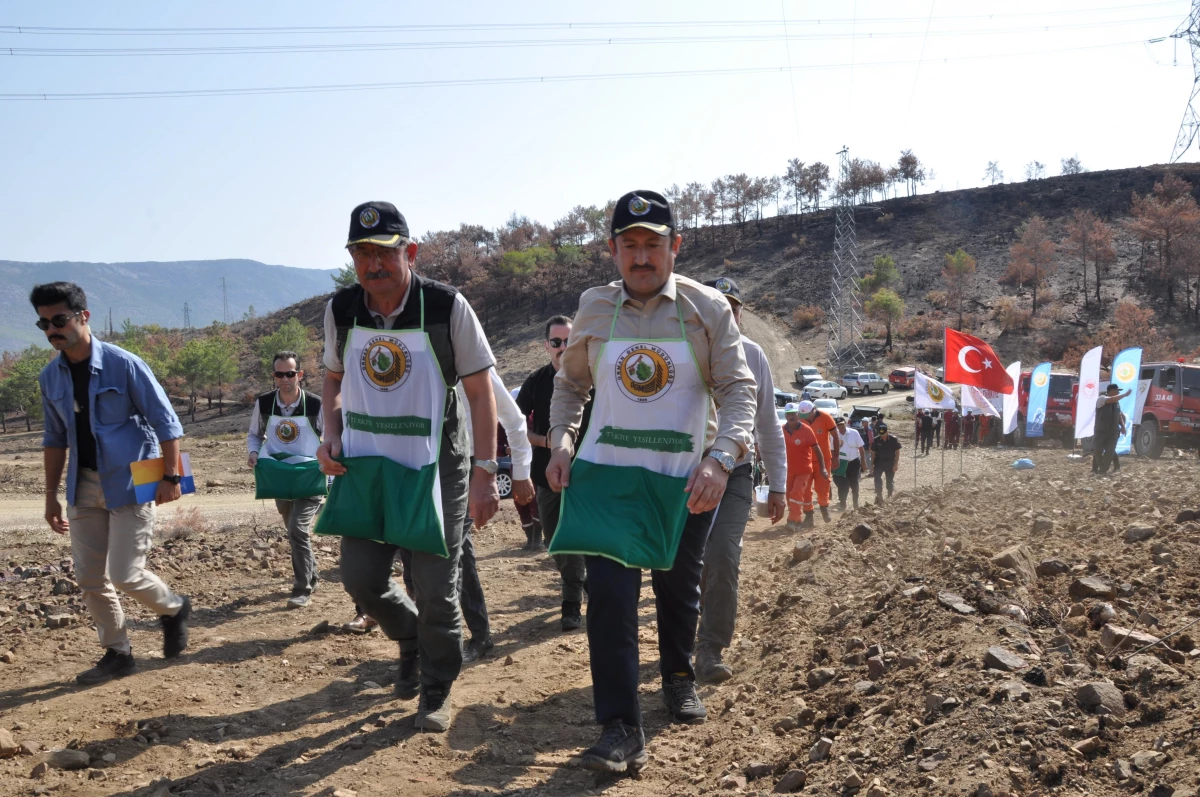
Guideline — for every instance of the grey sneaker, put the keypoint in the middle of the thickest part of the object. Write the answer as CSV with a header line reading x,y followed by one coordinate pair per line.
x,y
434,712
710,669
299,599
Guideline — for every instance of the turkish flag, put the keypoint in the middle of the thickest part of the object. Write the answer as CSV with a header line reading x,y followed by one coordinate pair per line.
x,y
970,361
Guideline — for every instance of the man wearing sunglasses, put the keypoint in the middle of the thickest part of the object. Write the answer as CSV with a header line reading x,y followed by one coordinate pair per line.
x,y
285,430
104,405
535,398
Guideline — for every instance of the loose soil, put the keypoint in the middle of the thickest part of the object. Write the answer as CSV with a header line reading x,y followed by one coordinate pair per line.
x,y
268,701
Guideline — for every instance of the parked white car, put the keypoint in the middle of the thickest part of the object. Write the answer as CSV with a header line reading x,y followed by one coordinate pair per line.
x,y
806,374
823,388
828,405
866,382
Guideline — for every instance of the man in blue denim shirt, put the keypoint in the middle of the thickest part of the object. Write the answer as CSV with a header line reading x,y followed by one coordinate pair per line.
x,y
105,406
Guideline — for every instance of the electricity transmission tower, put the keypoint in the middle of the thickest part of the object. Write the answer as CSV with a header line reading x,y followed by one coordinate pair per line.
x,y
1189,30
187,316
845,321
225,299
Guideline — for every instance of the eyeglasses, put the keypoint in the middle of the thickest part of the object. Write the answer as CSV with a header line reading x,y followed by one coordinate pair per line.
x,y
365,252
556,343
59,321
286,374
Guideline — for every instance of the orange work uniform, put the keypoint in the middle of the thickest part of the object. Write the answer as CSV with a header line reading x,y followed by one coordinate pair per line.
x,y
823,426
800,444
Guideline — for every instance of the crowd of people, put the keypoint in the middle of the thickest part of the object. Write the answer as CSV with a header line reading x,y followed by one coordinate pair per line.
x,y
633,448
962,430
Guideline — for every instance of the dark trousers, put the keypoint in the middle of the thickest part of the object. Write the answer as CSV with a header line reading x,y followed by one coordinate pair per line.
x,y
572,567
470,590
881,474
926,441
848,483
612,621
428,621
1104,450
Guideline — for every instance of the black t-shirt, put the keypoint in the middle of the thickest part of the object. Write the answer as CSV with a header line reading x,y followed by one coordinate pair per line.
x,y
885,452
85,441
535,398
926,423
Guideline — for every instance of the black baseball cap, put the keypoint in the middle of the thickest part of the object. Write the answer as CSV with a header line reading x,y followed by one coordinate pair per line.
x,y
648,209
377,223
1112,387
883,427
726,286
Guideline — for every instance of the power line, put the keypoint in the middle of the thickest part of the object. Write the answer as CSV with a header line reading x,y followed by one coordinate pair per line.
x,y
351,47
41,30
791,74
347,87
917,74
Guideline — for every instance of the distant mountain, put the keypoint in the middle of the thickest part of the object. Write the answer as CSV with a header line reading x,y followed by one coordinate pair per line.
x,y
155,293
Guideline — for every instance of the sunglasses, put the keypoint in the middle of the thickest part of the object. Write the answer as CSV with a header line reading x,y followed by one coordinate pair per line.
x,y
556,343
59,321
286,374
362,252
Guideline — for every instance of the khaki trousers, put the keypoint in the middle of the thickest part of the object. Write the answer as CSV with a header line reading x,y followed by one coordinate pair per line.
x,y
109,548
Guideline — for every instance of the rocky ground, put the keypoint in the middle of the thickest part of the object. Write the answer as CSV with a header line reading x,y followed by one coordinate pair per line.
x,y
965,640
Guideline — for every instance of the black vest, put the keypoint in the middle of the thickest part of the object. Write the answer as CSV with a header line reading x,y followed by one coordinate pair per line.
x,y
349,308
311,405
1108,418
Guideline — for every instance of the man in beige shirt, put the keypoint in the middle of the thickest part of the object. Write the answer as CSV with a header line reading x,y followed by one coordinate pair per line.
x,y
653,307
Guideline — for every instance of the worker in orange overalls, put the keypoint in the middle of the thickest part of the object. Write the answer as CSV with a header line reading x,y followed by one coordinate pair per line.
x,y
803,452
825,428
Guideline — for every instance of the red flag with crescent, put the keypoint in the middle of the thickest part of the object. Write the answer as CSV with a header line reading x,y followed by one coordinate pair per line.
x,y
970,361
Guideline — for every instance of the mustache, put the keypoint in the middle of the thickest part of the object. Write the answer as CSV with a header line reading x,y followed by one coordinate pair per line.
x,y
55,337
374,275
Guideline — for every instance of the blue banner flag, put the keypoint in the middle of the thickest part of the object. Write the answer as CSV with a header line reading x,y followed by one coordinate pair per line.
x,y
1125,369
1039,393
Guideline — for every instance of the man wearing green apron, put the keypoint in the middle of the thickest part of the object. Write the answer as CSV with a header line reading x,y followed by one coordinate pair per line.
x,y
285,430
396,344
652,467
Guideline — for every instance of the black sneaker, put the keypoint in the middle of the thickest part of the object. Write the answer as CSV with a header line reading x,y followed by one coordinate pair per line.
x,y
408,682
476,649
679,693
300,598
434,712
175,630
112,665
621,748
572,617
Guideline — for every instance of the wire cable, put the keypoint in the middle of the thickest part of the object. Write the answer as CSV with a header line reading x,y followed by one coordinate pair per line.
x,y
348,87
917,74
42,30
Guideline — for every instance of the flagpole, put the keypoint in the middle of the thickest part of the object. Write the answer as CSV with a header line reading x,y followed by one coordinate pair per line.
x,y
943,456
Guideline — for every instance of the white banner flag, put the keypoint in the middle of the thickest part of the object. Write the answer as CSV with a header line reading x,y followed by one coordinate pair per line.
x,y
1089,393
974,400
1012,401
930,394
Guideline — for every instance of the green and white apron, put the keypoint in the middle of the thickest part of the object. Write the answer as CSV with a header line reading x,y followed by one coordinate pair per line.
x,y
626,500
287,466
391,491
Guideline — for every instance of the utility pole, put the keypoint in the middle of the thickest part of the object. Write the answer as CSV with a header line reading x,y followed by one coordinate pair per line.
x,y
225,299
110,325
845,321
187,316
1189,30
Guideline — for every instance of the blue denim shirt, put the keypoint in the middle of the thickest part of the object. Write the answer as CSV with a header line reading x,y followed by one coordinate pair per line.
x,y
129,414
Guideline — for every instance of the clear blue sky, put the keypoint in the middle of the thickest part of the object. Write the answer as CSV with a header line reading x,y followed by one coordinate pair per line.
x,y
274,177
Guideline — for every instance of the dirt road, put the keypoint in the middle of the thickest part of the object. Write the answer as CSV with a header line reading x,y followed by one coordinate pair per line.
x,y
267,702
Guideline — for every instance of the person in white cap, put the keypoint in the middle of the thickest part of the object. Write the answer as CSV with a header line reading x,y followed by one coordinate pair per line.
x,y
803,452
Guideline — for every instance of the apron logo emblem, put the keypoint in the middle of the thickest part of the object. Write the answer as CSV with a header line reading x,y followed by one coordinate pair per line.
x,y
645,373
1040,379
385,363
368,218
287,431
935,392
1125,372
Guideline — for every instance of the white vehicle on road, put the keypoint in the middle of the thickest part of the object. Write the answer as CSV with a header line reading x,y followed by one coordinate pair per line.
x,y
825,389
828,405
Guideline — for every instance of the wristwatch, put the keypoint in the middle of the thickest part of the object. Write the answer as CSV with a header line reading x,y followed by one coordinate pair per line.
x,y
488,465
175,479
724,459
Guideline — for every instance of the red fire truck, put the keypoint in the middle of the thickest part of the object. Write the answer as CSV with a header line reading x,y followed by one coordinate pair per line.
x,y
1060,408
1168,408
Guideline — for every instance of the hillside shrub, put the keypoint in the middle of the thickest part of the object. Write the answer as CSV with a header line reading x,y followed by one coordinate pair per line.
x,y
921,326
808,316
934,352
939,299
1009,314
